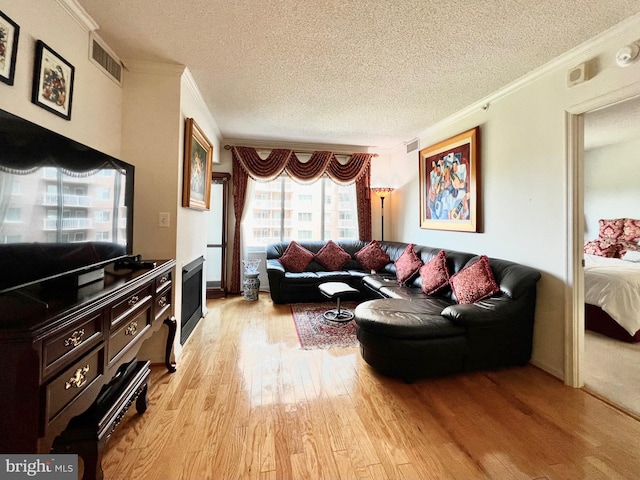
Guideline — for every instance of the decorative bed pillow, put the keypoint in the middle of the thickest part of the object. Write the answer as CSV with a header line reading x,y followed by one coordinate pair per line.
x,y
332,256
434,275
631,230
611,229
296,258
372,257
407,265
474,282
602,248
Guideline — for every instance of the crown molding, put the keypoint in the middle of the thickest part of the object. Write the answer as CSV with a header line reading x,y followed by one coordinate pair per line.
x,y
79,14
197,94
154,68
271,144
589,49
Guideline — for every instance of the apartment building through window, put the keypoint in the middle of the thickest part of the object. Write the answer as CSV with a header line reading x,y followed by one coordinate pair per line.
x,y
284,210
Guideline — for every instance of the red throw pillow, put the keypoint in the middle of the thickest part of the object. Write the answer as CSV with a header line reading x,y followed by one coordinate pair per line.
x,y
612,229
631,230
474,282
603,248
332,256
372,257
408,265
296,258
434,274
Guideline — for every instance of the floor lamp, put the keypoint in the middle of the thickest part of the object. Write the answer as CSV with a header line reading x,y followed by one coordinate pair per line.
x,y
382,192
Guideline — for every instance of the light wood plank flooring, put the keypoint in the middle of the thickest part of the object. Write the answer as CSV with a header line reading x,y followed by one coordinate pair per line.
x,y
248,403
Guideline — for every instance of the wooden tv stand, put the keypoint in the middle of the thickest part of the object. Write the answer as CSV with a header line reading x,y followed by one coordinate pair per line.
x,y
68,359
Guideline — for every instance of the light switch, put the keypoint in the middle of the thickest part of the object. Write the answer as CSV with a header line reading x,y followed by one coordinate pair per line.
x,y
164,219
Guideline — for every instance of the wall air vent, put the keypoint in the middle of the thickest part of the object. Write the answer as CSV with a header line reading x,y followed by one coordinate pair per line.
x,y
103,57
413,145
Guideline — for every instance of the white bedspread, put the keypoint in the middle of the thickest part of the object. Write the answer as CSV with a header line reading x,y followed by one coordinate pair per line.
x,y
614,285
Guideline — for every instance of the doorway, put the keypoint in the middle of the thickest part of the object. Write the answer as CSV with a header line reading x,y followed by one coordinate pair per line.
x,y
611,174
591,112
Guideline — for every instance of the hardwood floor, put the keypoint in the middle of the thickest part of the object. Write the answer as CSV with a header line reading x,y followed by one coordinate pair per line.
x,y
248,403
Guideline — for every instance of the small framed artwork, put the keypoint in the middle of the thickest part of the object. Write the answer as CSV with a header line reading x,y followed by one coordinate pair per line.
x,y
52,81
449,183
9,32
198,158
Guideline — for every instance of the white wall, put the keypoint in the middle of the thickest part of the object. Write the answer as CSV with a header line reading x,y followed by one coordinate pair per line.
x,y
97,100
524,155
611,184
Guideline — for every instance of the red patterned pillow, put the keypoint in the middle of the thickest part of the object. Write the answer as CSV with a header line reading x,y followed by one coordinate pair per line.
x,y
408,265
631,230
332,256
372,257
602,248
611,228
474,282
434,274
296,258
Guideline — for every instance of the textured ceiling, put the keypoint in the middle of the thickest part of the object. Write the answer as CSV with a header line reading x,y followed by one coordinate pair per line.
x,y
352,72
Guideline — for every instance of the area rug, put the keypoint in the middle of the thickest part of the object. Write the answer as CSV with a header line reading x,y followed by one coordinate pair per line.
x,y
315,331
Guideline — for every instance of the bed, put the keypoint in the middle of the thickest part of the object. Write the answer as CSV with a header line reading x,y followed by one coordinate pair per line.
x,y
612,296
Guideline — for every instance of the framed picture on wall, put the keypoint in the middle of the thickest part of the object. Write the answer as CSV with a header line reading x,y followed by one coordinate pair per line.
x,y
52,81
9,32
198,158
449,183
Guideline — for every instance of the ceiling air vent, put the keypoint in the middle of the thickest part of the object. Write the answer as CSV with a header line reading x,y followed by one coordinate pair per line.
x,y
103,57
413,145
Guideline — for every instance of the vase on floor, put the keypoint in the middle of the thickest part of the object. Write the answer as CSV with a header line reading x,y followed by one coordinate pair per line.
x,y
251,283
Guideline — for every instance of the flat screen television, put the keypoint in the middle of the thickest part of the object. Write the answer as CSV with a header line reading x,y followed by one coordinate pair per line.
x,y
65,208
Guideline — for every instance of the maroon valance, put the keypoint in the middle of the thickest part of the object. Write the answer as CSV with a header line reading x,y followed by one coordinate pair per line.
x,y
247,163
320,163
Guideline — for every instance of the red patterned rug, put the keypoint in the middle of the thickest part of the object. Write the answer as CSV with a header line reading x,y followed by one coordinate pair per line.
x,y
315,331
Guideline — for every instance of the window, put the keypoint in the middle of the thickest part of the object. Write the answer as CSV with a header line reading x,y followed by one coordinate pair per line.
x,y
102,216
284,210
13,214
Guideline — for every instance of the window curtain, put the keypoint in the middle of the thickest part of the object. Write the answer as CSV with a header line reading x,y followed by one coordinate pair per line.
x,y
247,163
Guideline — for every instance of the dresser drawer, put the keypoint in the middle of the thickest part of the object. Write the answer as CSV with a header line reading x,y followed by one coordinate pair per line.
x,y
71,383
130,304
128,331
164,280
162,303
78,337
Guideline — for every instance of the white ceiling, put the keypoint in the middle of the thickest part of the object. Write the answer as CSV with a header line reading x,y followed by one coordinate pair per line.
x,y
351,72
617,123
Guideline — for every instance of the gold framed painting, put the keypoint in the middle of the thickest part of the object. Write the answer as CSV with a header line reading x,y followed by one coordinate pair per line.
x,y
450,183
198,158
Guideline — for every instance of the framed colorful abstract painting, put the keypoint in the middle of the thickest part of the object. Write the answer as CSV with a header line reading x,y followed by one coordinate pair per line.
x,y
9,32
449,183
52,81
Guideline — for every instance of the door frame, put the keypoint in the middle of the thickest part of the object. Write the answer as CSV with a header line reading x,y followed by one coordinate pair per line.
x,y
574,294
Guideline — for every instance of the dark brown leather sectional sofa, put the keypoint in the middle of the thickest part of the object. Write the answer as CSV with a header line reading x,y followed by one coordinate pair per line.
x,y
408,334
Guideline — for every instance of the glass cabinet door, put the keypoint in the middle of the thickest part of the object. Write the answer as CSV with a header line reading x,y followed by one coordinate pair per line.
x,y
217,237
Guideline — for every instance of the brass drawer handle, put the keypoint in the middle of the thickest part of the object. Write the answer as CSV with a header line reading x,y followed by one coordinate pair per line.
x,y
162,301
133,300
75,339
79,378
131,329
164,280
